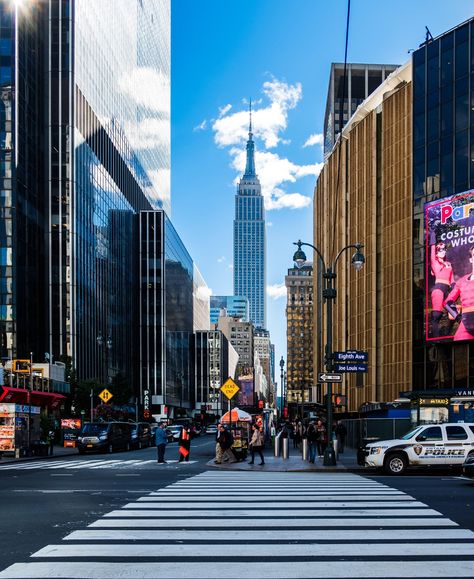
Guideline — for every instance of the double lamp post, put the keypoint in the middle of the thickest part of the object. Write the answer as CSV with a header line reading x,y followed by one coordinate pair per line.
x,y
329,294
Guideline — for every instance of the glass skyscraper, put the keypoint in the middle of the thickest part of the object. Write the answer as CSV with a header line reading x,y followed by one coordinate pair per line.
x,y
85,148
249,239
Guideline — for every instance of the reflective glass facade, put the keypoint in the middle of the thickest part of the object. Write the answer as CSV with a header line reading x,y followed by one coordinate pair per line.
x,y
235,306
443,164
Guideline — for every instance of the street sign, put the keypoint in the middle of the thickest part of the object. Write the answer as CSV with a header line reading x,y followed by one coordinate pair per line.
x,y
351,367
351,356
105,395
324,377
229,388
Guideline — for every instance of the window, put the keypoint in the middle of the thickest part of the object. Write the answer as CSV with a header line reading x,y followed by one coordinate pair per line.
x,y
456,433
430,434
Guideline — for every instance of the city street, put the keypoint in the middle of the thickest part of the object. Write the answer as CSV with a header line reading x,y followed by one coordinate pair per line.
x,y
125,516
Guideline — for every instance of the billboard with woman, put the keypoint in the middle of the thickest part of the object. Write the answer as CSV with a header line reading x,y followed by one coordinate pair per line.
x,y
449,302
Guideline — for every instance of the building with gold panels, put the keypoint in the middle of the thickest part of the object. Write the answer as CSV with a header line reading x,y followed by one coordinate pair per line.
x,y
300,330
364,194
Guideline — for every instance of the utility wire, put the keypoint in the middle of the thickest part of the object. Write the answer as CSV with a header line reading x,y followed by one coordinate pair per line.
x,y
341,121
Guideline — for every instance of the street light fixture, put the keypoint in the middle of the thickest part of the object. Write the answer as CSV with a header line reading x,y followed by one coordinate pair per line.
x,y
329,294
282,386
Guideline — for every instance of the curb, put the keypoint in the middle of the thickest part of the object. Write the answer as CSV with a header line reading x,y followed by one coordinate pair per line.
x,y
7,460
272,468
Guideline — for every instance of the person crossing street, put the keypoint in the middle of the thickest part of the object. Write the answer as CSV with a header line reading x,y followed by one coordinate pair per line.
x,y
161,440
256,444
184,444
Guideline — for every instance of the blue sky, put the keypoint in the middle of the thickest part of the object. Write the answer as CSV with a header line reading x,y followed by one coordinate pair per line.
x,y
279,53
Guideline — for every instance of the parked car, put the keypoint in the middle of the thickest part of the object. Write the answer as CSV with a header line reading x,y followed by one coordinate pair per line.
x,y
174,431
141,435
211,429
468,466
105,437
427,445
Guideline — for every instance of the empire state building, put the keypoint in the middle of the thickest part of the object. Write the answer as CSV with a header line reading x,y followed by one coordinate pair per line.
x,y
249,239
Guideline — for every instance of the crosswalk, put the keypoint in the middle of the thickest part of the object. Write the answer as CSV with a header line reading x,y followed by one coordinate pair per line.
x,y
86,464
262,524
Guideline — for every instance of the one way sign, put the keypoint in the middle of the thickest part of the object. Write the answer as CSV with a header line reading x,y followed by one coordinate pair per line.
x,y
325,377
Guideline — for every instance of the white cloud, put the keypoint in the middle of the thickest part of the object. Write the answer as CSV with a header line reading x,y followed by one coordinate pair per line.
x,y
201,127
267,122
230,266
269,223
149,88
276,291
221,259
161,183
224,110
273,171
315,139
151,133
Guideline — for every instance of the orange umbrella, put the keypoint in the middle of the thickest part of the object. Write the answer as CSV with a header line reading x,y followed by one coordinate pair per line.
x,y
237,416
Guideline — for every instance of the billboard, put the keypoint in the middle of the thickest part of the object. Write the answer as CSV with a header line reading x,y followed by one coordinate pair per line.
x,y
246,382
449,261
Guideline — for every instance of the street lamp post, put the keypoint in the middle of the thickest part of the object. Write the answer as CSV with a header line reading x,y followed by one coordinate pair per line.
x,y
282,395
329,294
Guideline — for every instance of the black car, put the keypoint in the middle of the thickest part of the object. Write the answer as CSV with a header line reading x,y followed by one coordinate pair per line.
x,y
468,466
141,435
105,437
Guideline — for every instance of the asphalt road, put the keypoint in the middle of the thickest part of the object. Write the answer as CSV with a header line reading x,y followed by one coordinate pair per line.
x,y
39,506
43,501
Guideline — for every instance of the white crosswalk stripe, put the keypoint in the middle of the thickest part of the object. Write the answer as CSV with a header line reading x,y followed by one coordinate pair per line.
x,y
86,464
255,525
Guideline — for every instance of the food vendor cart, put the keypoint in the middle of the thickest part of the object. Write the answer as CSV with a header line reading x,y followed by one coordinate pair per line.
x,y
239,423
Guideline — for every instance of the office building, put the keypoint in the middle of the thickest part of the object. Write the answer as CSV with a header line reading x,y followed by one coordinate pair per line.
x,y
240,335
371,204
299,334
215,360
233,306
360,81
249,239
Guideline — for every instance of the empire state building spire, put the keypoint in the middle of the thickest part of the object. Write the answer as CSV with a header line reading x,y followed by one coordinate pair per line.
x,y
250,166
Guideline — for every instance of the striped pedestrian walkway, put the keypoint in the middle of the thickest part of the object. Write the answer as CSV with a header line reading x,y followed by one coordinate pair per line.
x,y
84,463
255,525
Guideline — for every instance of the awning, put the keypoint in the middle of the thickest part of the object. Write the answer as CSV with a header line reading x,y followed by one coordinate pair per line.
x,y
37,397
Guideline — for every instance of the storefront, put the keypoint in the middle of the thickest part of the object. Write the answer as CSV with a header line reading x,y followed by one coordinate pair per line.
x,y
435,406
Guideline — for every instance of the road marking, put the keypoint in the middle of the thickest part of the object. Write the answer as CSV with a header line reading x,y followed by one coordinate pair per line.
x,y
257,550
246,535
217,570
273,522
143,503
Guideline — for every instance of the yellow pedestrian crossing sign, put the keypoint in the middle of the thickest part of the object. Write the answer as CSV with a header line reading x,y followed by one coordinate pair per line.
x,y
229,388
105,395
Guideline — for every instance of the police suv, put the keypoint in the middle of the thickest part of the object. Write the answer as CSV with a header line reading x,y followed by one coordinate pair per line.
x,y
430,444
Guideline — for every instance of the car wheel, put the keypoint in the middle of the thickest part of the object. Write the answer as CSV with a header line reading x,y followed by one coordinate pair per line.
x,y
395,464
110,448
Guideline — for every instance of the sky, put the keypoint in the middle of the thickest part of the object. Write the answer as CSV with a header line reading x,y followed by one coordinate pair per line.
x,y
279,54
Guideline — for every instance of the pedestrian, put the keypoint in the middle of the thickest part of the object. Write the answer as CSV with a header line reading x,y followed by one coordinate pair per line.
x,y
161,440
51,441
224,441
321,438
296,435
256,444
341,433
311,435
184,444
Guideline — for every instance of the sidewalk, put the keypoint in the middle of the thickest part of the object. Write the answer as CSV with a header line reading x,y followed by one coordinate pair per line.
x,y
346,462
58,452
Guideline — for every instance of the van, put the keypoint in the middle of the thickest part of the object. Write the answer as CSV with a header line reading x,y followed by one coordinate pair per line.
x,y
429,445
105,437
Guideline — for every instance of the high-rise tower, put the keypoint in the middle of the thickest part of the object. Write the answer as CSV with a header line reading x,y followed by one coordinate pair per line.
x,y
249,238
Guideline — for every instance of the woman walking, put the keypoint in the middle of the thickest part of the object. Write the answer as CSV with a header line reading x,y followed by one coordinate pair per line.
x,y
256,444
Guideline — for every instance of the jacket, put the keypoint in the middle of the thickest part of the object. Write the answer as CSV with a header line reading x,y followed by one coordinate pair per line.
x,y
257,439
160,436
